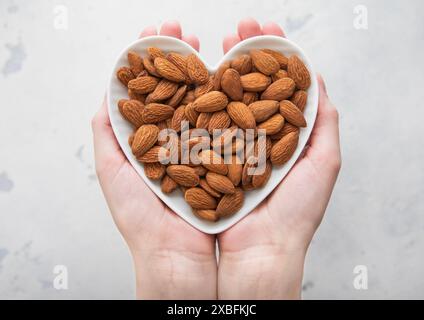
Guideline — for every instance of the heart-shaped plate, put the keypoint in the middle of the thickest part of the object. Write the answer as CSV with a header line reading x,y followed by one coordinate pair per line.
x,y
175,201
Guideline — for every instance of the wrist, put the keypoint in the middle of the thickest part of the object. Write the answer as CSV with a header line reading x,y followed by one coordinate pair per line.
x,y
166,274
261,273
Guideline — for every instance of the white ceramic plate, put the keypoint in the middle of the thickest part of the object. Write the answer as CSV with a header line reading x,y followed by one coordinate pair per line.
x,y
175,201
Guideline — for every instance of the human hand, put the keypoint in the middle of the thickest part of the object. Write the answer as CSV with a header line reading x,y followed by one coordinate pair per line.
x,y
262,256
172,259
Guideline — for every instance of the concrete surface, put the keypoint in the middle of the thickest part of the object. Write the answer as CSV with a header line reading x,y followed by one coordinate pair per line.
x,y
52,81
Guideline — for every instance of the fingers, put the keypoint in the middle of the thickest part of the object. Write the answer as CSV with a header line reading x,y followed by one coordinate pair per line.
x,y
248,28
148,31
171,29
192,41
324,142
272,29
230,41
105,144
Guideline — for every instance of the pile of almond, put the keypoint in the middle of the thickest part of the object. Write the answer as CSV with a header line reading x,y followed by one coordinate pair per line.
x,y
260,94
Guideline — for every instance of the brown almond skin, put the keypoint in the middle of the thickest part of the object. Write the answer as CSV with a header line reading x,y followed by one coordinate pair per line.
x,y
287,128
230,203
135,62
259,180
208,215
155,52
154,171
144,138
220,182
125,75
292,113
279,75
255,82
203,120
299,73
279,90
200,171
219,120
168,70
264,62
177,118
156,112
243,64
218,75
196,70
241,115
168,185
154,154
198,198
191,114
213,162
183,175
283,150
231,84
150,67
175,100
281,58
205,185
164,90
180,61
211,102
300,98
249,98
234,171
264,109
273,124
202,89
132,111
143,85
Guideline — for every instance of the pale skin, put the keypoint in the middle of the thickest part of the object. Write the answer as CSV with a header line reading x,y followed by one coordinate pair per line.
x,y
262,256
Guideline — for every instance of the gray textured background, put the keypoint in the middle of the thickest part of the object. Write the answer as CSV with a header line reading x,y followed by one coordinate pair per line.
x,y
52,81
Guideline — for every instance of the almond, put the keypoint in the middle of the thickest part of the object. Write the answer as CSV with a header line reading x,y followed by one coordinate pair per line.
x,y
177,118
213,162
264,109
204,88
281,58
180,61
279,75
189,97
287,128
168,70
154,171
220,182
299,73
164,90
292,113
209,215
156,112
124,75
230,203
154,53
205,185
136,96
135,62
300,98
248,170
241,115
235,169
191,114
155,154
144,138
243,64
272,125
255,82
196,70
219,120
177,97
183,175
200,171
168,185
264,62
198,198
231,84
143,85
259,180
211,102
218,75
203,120
279,90
249,97
283,150
150,67
132,111
121,103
